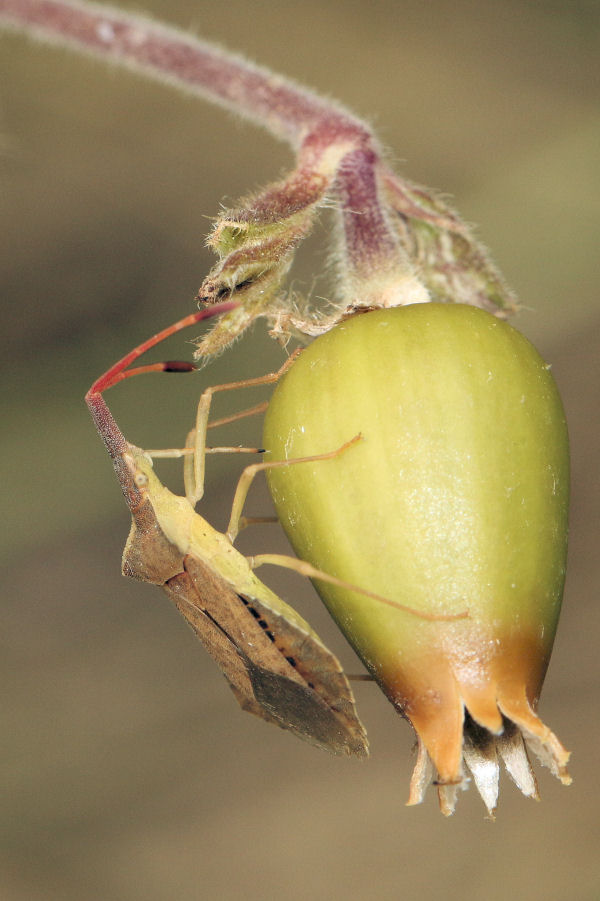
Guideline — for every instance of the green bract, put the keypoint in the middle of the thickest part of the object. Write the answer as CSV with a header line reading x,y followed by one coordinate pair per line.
x,y
456,499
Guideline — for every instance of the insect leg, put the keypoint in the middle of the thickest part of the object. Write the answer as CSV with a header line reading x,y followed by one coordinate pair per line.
x,y
196,441
306,569
249,473
195,449
175,453
189,450
301,566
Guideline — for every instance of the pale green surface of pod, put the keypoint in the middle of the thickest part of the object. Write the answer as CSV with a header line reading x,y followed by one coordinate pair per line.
x,y
455,500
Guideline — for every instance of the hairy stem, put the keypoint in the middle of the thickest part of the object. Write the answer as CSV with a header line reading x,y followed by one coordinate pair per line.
x,y
165,53
397,243
309,123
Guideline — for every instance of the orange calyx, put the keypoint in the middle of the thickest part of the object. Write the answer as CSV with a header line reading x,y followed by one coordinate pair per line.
x,y
472,705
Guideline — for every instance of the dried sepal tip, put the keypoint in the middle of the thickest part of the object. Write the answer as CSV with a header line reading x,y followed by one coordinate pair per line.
x,y
482,753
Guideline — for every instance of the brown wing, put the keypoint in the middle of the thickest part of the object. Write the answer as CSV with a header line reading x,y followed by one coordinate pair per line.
x,y
277,670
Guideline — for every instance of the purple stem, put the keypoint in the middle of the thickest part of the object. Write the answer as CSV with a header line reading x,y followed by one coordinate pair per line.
x,y
309,123
368,237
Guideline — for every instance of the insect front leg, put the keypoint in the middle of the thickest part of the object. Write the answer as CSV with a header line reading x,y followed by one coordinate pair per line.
x,y
196,450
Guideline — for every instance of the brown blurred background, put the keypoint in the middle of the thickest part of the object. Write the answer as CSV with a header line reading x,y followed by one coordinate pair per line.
x,y
127,770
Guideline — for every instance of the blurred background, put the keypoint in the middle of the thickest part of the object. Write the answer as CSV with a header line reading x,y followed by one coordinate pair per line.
x,y
128,771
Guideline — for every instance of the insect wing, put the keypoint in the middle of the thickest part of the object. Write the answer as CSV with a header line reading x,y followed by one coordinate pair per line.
x,y
148,555
277,669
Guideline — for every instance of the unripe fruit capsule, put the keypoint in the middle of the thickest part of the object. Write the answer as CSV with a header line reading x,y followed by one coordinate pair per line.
x,y
455,500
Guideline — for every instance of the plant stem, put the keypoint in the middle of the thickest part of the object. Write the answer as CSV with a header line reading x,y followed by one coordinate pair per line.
x,y
309,123
389,230
165,53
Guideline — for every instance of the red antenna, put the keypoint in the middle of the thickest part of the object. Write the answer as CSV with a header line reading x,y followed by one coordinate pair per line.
x,y
120,370
109,431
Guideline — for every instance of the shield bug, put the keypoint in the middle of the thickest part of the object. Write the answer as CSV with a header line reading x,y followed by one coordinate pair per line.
x,y
275,663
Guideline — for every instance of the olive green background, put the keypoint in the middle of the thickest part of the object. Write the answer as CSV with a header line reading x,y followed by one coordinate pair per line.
x,y
127,770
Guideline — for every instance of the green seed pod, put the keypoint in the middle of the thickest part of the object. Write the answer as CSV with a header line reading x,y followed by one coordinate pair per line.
x,y
455,500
